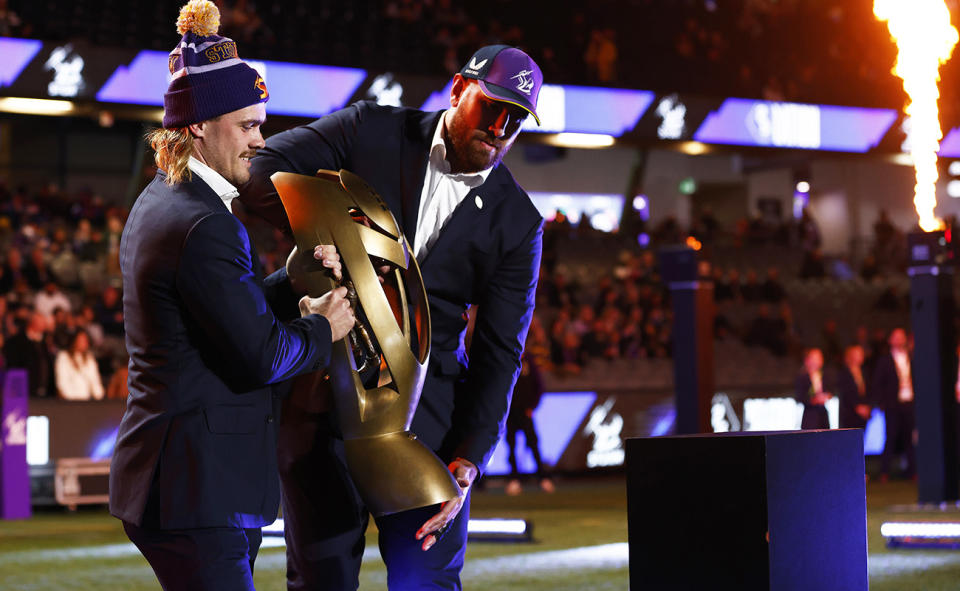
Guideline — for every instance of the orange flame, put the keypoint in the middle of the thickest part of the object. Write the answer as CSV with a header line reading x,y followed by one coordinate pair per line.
x,y
925,39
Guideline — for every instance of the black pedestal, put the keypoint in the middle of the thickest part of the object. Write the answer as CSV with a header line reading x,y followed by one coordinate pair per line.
x,y
934,377
777,511
691,298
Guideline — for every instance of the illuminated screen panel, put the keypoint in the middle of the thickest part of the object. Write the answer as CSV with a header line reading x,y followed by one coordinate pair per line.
x,y
603,210
295,89
17,53
793,125
950,145
557,419
575,109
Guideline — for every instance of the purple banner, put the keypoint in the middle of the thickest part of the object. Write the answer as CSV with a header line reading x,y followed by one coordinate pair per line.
x,y
16,53
793,125
14,474
295,89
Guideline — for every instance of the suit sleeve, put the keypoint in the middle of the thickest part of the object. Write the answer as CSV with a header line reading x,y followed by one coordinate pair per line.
x,y
221,291
801,388
503,318
323,144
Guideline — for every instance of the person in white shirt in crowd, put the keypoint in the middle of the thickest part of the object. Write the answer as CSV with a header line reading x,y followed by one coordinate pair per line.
x,y
76,371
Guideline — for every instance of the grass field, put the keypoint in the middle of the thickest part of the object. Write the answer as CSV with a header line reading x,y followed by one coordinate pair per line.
x,y
87,550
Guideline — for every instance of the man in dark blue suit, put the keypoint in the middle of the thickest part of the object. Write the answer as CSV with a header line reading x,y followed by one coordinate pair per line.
x,y
478,239
194,474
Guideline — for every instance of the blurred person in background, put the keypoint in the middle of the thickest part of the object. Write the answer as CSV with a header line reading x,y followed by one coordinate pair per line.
x,y
76,371
809,389
893,385
852,389
50,299
526,397
31,349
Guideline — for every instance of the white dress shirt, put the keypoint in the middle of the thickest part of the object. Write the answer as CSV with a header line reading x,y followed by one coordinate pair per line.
x,y
902,361
442,192
215,181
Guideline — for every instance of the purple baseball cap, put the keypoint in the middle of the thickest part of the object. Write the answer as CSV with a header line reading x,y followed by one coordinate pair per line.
x,y
506,74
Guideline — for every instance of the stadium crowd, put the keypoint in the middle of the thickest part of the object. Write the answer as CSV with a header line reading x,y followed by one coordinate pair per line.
x,y
61,310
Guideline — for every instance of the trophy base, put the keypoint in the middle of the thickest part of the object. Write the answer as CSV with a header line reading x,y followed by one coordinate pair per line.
x,y
397,472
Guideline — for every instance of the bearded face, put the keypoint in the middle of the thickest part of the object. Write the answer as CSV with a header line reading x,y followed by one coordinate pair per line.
x,y
479,130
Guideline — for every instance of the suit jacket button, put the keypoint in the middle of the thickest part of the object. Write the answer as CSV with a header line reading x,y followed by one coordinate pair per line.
x,y
269,418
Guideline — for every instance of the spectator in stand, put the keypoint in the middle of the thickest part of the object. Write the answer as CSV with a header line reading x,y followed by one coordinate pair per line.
x,y
87,243
63,329
809,389
889,300
883,230
12,270
109,312
77,374
31,350
721,289
767,332
50,299
808,232
773,290
601,56
567,354
870,269
526,397
37,271
893,385
851,388
631,335
830,343
751,289
117,387
812,266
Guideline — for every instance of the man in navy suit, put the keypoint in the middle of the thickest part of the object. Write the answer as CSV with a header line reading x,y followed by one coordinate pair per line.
x,y
478,239
893,388
194,474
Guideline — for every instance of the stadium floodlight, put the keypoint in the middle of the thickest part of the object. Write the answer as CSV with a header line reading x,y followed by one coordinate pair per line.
x,y
29,106
580,140
488,530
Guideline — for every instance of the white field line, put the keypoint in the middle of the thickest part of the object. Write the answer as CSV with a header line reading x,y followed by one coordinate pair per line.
x,y
605,557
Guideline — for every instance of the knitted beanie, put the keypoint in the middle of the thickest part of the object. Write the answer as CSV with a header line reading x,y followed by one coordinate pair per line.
x,y
209,78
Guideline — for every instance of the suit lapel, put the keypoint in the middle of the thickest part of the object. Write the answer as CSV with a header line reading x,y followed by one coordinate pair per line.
x,y
465,219
416,151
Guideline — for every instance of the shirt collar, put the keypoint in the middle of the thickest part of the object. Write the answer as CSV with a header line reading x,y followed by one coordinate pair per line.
x,y
438,158
215,181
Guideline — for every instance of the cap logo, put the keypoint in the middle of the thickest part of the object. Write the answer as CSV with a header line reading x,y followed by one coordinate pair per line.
x,y
260,85
524,81
475,65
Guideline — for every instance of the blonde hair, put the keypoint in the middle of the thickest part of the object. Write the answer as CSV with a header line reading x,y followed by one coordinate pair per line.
x,y
173,149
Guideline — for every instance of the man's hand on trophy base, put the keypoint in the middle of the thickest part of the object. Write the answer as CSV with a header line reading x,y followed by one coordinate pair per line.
x,y
465,472
333,306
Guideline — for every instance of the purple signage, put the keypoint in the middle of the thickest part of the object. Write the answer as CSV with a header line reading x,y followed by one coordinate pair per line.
x,y
295,89
557,419
16,53
576,109
950,145
794,125
14,474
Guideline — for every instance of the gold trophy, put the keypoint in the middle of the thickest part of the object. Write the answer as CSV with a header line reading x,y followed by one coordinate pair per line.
x,y
377,372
